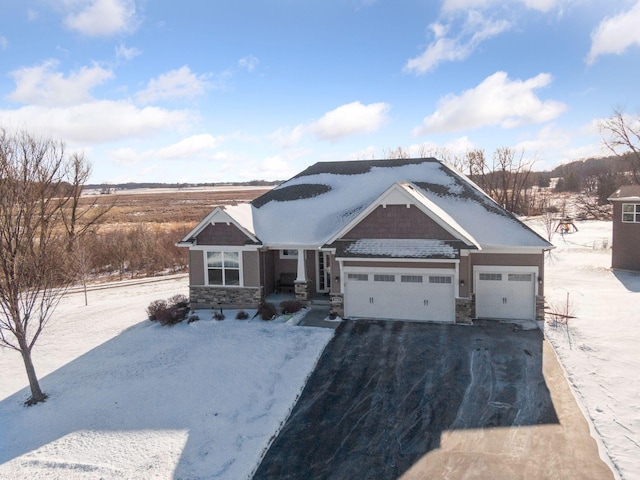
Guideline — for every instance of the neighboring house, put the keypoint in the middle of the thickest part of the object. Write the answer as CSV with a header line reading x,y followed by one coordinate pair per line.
x,y
626,228
407,239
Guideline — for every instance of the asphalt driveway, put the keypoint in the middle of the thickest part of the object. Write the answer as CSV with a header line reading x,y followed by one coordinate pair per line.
x,y
411,400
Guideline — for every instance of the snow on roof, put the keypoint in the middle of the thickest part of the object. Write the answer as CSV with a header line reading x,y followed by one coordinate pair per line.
x,y
311,207
402,248
242,214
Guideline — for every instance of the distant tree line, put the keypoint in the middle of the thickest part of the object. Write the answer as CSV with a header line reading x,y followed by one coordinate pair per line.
x,y
138,250
110,187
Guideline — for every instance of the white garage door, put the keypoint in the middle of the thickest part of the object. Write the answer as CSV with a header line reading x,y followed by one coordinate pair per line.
x,y
505,295
416,295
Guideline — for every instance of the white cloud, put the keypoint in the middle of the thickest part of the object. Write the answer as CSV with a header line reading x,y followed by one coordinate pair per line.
x,y
123,53
180,83
350,119
195,145
100,18
496,101
275,167
96,122
4,43
43,85
32,14
549,137
464,5
125,157
615,34
248,63
474,31
288,137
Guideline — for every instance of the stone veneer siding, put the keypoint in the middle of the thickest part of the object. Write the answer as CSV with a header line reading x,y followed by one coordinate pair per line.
x,y
465,310
228,297
540,306
337,304
302,290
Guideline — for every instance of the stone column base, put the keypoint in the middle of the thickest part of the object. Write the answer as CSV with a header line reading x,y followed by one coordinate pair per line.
x,y
302,290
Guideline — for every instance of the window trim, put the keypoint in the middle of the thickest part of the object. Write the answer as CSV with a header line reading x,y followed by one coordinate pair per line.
x,y
288,254
634,213
207,268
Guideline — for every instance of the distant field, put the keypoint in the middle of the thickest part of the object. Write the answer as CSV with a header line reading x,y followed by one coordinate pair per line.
x,y
176,207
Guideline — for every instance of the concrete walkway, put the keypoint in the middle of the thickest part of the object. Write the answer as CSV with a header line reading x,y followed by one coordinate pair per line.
x,y
318,317
406,400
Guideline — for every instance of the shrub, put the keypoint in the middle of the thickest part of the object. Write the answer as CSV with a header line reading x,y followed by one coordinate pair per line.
x,y
291,306
218,316
156,307
242,315
333,315
169,312
192,318
267,311
179,301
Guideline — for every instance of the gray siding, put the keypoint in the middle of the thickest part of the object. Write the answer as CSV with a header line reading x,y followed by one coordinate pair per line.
x,y
251,269
625,253
222,234
196,267
398,221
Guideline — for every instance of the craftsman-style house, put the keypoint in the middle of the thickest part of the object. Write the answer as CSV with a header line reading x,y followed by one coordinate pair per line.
x,y
408,239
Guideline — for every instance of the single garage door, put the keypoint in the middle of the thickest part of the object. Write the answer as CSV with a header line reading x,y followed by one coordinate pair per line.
x,y
417,295
505,295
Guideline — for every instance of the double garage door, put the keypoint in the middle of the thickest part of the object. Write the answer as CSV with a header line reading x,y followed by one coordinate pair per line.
x,y
423,295
505,294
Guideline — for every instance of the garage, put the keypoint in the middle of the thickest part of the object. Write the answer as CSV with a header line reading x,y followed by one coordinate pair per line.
x,y
505,294
410,294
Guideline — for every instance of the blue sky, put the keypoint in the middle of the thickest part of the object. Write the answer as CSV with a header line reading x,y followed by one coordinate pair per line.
x,y
231,90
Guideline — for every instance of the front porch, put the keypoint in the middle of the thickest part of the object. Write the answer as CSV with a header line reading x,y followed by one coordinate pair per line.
x,y
304,273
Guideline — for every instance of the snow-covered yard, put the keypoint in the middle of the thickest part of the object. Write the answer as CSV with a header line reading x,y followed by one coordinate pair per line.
x,y
131,399
601,352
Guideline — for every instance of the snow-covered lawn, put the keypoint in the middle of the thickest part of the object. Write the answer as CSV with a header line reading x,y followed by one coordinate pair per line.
x,y
131,399
601,353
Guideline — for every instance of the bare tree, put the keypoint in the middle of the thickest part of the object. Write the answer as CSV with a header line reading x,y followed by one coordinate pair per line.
x,y
79,219
506,179
549,223
621,135
36,266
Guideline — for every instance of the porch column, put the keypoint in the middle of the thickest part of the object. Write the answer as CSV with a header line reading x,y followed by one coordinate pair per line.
x,y
301,283
302,270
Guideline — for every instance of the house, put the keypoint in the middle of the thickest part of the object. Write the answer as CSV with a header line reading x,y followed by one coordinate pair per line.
x,y
625,252
407,239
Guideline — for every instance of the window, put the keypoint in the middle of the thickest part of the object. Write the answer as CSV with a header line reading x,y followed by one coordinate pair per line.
x,y
384,278
491,276
411,278
520,277
435,279
223,268
289,253
631,212
359,277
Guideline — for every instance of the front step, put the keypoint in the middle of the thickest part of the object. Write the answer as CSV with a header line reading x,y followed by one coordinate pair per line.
x,y
320,302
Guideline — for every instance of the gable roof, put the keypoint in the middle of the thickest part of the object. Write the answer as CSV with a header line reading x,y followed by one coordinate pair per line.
x,y
626,192
312,207
238,215
407,193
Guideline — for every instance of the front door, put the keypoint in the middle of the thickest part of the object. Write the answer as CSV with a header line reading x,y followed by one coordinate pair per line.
x,y
324,272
